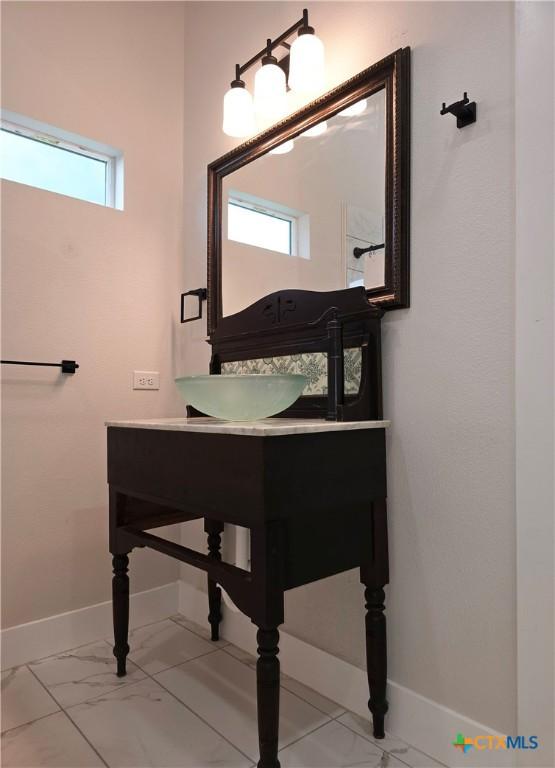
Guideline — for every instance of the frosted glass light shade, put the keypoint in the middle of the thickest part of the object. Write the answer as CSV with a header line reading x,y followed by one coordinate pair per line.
x,y
306,65
316,130
238,113
355,109
269,94
283,149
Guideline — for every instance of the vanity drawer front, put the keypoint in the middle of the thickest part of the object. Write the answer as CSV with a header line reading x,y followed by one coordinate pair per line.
x,y
218,476
245,479
324,472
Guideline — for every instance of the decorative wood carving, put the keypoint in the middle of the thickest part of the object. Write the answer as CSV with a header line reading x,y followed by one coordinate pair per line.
x,y
277,307
304,326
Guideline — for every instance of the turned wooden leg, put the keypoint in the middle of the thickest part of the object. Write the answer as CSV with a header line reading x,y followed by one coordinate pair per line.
x,y
376,657
120,606
214,529
374,574
267,688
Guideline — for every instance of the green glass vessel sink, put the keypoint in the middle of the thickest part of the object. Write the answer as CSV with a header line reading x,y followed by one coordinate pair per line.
x,y
242,397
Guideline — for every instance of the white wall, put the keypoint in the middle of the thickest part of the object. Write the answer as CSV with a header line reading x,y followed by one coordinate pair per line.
x,y
448,360
86,282
353,175
535,357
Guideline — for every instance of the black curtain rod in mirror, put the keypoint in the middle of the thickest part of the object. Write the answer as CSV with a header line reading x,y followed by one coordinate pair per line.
x,y
358,252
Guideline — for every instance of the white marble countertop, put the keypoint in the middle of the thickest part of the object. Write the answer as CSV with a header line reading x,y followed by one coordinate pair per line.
x,y
264,428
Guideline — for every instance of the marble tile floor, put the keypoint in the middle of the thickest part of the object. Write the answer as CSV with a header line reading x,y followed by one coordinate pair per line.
x,y
185,702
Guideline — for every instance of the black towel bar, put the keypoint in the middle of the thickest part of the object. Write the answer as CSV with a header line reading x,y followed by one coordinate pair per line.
x,y
67,366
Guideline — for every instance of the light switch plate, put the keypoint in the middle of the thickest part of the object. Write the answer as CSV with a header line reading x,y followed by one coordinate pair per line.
x,y
146,380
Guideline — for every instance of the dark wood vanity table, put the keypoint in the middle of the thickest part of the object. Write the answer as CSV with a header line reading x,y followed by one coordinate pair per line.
x,y
310,485
282,479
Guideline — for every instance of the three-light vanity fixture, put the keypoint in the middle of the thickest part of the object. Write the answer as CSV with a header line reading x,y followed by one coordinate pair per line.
x,y
301,70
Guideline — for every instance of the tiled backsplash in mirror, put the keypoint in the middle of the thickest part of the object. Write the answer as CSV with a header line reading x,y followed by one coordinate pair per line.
x,y
313,365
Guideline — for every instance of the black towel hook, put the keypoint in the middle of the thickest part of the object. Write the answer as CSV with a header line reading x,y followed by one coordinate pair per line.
x,y
464,110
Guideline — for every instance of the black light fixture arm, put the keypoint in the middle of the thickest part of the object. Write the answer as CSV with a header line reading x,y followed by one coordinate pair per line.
x,y
271,44
358,252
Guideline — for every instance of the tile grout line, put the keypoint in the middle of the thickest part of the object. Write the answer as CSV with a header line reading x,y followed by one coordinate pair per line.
x,y
293,693
43,687
64,707
97,753
250,666
30,722
306,701
333,719
197,634
153,679
225,649
210,725
300,698
100,639
285,746
247,664
393,754
74,724
336,718
383,751
173,666
196,714
54,655
308,733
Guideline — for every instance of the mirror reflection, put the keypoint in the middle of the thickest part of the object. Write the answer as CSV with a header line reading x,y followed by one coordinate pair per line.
x,y
310,213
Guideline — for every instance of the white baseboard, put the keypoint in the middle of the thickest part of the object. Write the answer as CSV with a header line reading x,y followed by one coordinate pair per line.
x,y
56,634
423,723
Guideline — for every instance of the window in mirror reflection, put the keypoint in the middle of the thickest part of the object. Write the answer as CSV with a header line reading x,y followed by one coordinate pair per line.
x,y
260,228
265,224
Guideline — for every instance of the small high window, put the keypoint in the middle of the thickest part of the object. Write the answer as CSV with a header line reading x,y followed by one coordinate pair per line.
x,y
42,156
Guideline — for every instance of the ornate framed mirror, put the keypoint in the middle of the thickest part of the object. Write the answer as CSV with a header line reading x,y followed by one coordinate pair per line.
x,y
318,201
